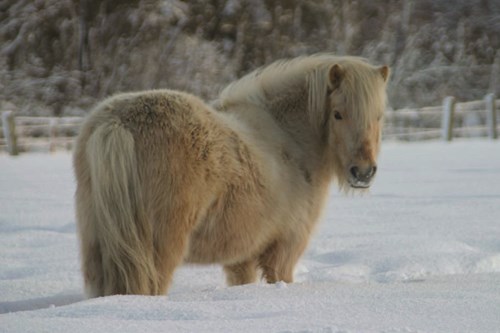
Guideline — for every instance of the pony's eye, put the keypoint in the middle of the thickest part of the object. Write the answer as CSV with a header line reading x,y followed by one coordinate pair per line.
x,y
337,115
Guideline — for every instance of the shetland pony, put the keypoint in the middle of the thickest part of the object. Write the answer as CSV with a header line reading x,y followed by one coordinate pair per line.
x,y
163,178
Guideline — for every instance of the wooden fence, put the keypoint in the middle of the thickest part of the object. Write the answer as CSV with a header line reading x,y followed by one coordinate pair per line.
x,y
448,121
451,119
21,134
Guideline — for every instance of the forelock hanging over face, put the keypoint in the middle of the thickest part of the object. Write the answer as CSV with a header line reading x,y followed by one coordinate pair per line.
x,y
364,91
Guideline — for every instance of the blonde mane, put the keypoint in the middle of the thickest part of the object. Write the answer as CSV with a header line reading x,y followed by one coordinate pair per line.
x,y
312,72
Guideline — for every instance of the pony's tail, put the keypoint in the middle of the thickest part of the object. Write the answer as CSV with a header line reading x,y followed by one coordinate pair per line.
x,y
124,234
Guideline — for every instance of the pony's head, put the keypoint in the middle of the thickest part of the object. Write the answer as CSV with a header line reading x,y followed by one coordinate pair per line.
x,y
351,119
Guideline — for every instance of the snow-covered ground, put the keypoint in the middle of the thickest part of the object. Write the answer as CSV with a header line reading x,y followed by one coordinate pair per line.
x,y
421,253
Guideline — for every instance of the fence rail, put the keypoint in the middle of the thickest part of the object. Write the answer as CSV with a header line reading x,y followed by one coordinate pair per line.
x,y
37,133
450,120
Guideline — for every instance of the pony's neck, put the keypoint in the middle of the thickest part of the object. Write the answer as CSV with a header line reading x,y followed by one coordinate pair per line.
x,y
289,108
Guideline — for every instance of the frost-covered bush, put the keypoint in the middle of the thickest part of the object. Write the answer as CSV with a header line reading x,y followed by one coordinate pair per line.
x,y
61,56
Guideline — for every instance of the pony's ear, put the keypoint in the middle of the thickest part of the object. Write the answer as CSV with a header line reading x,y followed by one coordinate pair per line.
x,y
335,76
385,71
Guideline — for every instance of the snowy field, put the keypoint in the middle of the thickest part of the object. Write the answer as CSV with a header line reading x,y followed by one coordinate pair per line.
x,y
421,253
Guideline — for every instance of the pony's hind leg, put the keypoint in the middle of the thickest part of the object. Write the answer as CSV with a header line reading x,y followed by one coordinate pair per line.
x,y
279,259
169,253
171,240
93,274
241,273
90,250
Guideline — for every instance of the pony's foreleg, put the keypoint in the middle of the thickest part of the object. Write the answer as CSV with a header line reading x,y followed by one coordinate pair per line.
x,y
279,259
241,273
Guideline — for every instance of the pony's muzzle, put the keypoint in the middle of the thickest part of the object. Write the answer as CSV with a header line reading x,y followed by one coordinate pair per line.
x,y
362,177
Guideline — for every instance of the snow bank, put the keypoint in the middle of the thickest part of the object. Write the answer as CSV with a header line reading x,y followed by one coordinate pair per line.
x,y
421,253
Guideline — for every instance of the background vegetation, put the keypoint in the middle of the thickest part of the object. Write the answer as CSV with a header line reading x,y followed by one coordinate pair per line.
x,y
61,56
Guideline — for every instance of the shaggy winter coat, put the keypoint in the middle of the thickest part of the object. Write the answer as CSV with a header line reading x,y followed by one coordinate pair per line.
x,y
163,178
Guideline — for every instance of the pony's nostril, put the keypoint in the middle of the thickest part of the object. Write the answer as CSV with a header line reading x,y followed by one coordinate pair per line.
x,y
363,174
355,172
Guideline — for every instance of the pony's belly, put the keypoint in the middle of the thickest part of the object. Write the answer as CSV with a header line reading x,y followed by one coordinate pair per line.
x,y
227,245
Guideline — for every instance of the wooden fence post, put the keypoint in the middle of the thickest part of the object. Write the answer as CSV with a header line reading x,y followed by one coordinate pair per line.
x,y
9,131
52,135
491,116
447,121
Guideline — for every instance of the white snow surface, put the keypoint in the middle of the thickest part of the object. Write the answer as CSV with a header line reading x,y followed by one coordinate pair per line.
x,y
419,253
